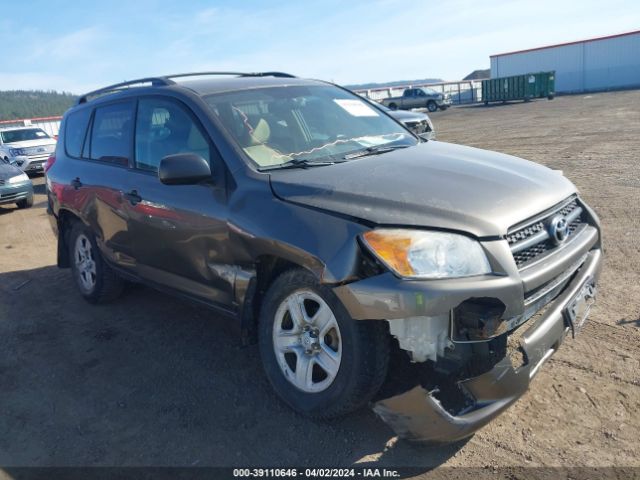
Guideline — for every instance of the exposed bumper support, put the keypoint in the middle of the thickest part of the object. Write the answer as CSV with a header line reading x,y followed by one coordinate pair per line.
x,y
417,415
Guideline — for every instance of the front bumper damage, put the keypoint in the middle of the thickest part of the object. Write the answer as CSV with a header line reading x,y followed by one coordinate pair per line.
x,y
416,413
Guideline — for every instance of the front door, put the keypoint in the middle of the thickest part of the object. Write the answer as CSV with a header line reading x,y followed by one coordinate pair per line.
x,y
181,237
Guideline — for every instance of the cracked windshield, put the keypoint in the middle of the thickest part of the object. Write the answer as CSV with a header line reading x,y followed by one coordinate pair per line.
x,y
277,126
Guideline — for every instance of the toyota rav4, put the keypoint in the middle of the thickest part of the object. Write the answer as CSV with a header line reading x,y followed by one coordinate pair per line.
x,y
430,279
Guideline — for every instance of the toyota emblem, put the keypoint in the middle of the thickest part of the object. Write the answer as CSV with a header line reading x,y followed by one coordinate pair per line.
x,y
558,229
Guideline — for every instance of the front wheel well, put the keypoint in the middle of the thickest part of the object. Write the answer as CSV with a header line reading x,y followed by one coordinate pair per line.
x,y
268,268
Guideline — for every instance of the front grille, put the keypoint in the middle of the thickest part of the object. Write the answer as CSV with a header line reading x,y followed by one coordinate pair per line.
x,y
41,157
1,182
9,196
38,151
38,165
535,238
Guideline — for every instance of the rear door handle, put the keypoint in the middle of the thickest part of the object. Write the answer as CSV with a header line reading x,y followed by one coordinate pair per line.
x,y
133,197
76,183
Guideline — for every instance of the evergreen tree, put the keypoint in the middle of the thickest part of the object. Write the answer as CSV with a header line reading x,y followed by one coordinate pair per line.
x,y
16,104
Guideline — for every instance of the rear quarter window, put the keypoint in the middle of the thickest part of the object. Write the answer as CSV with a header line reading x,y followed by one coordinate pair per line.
x,y
75,132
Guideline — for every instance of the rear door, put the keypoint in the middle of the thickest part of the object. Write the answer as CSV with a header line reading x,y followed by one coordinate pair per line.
x,y
181,236
96,175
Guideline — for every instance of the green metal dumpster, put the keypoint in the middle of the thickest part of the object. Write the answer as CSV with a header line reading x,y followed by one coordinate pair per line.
x,y
519,87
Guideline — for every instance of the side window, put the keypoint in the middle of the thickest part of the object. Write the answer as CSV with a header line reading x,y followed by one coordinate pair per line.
x,y
111,133
164,127
421,93
75,131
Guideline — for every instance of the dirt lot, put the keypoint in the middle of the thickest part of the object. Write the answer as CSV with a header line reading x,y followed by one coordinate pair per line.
x,y
150,380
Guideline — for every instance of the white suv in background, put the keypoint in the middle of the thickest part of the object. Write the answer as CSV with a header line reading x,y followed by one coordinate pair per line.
x,y
26,147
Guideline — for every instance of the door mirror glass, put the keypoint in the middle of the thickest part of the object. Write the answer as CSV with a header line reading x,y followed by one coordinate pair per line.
x,y
183,169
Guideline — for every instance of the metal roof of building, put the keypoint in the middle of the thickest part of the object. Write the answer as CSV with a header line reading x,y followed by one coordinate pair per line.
x,y
594,39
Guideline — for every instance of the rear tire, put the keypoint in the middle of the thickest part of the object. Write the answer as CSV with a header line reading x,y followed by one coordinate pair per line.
x,y
393,106
355,351
432,106
95,280
25,203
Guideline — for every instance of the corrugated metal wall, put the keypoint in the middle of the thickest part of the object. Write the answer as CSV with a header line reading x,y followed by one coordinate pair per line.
x,y
590,65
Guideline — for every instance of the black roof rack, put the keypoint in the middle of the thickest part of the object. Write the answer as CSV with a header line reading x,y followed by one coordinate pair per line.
x,y
165,80
237,74
154,81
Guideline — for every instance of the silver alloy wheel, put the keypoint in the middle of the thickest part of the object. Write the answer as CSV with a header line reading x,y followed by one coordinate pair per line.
x,y
307,342
85,263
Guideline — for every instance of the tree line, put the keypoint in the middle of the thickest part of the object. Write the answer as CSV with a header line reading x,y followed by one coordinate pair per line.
x,y
15,104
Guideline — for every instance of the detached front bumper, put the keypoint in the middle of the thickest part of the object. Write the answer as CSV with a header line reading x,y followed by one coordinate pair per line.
x,y
30,164
416,414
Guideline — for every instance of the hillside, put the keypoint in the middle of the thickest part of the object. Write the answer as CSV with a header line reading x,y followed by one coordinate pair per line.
x,y
33,103
423,81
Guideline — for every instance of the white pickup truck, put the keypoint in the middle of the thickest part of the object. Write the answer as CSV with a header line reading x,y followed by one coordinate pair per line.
x,y
26,147
419,98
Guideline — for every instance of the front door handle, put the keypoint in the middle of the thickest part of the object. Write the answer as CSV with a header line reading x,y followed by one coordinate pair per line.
x,y
133,197
76,183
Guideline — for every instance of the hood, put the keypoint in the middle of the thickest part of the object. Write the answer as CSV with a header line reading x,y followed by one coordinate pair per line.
x,y
433,184
407,116
41,142
8,171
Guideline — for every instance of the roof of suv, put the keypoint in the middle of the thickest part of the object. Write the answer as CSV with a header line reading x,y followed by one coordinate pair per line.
x,y
208,83
207,86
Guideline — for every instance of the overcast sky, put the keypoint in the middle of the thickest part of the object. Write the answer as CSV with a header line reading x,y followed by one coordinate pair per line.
x,y
78,46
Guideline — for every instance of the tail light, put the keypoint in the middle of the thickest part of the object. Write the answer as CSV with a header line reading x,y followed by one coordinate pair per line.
x,y
50,161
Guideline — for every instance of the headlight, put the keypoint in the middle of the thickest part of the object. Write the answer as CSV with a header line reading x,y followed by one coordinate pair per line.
x,y
430,123
427,254
19,178
14,152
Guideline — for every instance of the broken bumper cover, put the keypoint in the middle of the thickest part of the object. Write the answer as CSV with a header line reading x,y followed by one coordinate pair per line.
x,y
417,415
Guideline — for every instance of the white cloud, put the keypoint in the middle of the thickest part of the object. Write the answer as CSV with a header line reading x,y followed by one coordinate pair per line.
x,y
346,42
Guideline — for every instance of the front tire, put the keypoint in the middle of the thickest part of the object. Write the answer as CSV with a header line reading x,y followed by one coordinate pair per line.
x,y
319,360
432,106
393,106
95,280
25,203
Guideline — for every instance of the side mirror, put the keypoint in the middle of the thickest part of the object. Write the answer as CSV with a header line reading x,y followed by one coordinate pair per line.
x,y
183,169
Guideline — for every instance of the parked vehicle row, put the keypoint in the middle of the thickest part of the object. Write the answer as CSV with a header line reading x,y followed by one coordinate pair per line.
x,y
333,235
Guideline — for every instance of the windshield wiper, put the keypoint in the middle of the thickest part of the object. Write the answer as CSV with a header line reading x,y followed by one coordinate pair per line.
x,y
374,151
297,163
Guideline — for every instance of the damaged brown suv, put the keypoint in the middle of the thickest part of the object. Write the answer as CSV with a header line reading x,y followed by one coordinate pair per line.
x,y
432,280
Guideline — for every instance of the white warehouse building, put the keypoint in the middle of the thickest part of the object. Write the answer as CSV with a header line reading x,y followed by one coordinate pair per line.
x,y
603,63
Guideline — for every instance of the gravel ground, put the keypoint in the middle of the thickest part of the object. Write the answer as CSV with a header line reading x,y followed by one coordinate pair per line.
x,y
150,380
